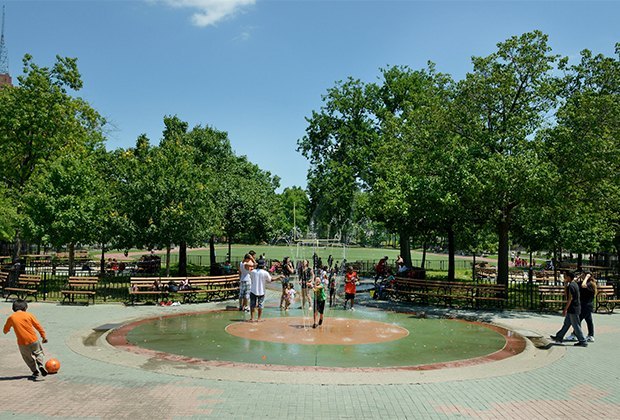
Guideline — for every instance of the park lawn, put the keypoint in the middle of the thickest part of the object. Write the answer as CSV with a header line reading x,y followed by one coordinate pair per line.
x,y
297,253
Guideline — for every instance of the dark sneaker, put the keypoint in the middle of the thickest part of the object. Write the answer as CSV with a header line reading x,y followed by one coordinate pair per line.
x,y
581,344
43,370
320,322
556,339
313,325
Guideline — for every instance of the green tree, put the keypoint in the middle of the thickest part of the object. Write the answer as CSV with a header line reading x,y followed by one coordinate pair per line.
x,y
294,212
62,204
40,121
339,144
585,148
501,105
8,216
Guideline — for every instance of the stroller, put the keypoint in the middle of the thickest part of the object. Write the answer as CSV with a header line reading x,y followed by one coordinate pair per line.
x,y
386,283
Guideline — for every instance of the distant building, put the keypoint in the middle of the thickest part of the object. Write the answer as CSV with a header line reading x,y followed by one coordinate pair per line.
x,y
5,79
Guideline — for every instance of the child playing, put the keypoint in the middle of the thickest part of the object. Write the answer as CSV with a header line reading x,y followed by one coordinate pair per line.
x,y
350,281
289,299
24,325
332,286
319,301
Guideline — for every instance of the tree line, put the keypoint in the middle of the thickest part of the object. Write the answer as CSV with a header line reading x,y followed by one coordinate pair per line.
x,y
526,147
60,187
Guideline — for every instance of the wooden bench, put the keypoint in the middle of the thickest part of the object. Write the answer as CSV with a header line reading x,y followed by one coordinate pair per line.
x,y
606,298
486,273
545,277
4,281
551,296
211,288
490,292
146,287
26,285
79,255
444,292
80,286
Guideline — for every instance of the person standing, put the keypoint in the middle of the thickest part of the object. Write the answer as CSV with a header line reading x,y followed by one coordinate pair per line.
x,y
319,301
381,269
305,280
245,267
332,286
587,292
25,326
259,277
350,283
571,312
287,271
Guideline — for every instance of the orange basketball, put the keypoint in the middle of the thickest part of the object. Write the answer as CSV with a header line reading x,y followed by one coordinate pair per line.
x,y
52,365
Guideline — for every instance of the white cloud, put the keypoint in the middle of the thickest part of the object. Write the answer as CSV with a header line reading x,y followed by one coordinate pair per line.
x,y
209,12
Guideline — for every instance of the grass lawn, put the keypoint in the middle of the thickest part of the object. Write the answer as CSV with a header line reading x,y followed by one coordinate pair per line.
x,y
338,253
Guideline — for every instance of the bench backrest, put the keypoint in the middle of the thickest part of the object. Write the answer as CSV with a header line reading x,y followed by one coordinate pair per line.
x,y
29,278
84,279
605,290
551,289
90,282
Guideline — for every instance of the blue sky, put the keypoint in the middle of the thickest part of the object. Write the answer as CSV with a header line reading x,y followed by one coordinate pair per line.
x,y
257,68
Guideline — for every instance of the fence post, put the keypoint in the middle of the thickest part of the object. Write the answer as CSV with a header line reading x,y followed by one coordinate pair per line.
x,y
44,286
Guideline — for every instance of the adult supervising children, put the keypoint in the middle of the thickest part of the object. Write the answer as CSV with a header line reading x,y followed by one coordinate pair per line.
x,y
245,267
571,312
25,325
259,277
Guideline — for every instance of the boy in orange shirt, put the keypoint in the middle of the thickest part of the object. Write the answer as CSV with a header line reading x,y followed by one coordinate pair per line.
x,y
24,325
350,281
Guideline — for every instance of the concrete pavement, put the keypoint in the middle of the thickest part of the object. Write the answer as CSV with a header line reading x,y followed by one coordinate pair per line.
x,y
99,381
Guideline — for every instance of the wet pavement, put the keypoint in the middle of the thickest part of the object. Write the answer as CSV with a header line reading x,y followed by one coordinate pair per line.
x,y
101,381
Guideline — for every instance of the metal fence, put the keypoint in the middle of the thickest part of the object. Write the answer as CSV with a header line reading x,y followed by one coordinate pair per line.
x,y
521,293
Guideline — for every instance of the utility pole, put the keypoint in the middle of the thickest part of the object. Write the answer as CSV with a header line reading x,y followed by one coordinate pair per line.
x,y
5,77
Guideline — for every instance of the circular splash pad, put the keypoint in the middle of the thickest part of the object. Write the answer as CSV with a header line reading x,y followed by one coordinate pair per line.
x,y
364,339
296,330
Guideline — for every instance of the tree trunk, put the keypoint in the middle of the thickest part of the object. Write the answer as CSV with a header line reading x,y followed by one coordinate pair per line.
x,y
18,244
71,259
502,256
182,259
473,267
212,262
230,239
579,260
451,251
102,261
168,261
424,245
617,245
405,249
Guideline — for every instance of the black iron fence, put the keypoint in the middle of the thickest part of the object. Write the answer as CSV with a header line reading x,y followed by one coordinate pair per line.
x,y
520,295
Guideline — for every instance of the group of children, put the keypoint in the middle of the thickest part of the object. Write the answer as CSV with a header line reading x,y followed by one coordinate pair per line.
x,y
318,281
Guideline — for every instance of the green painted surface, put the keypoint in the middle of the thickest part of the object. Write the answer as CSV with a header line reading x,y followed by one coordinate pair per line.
x,y
203,336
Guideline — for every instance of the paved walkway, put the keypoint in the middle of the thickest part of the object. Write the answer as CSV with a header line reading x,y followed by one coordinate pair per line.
x,y
96,381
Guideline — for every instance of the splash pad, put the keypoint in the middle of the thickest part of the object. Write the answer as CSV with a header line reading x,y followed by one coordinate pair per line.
x,y
362,341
